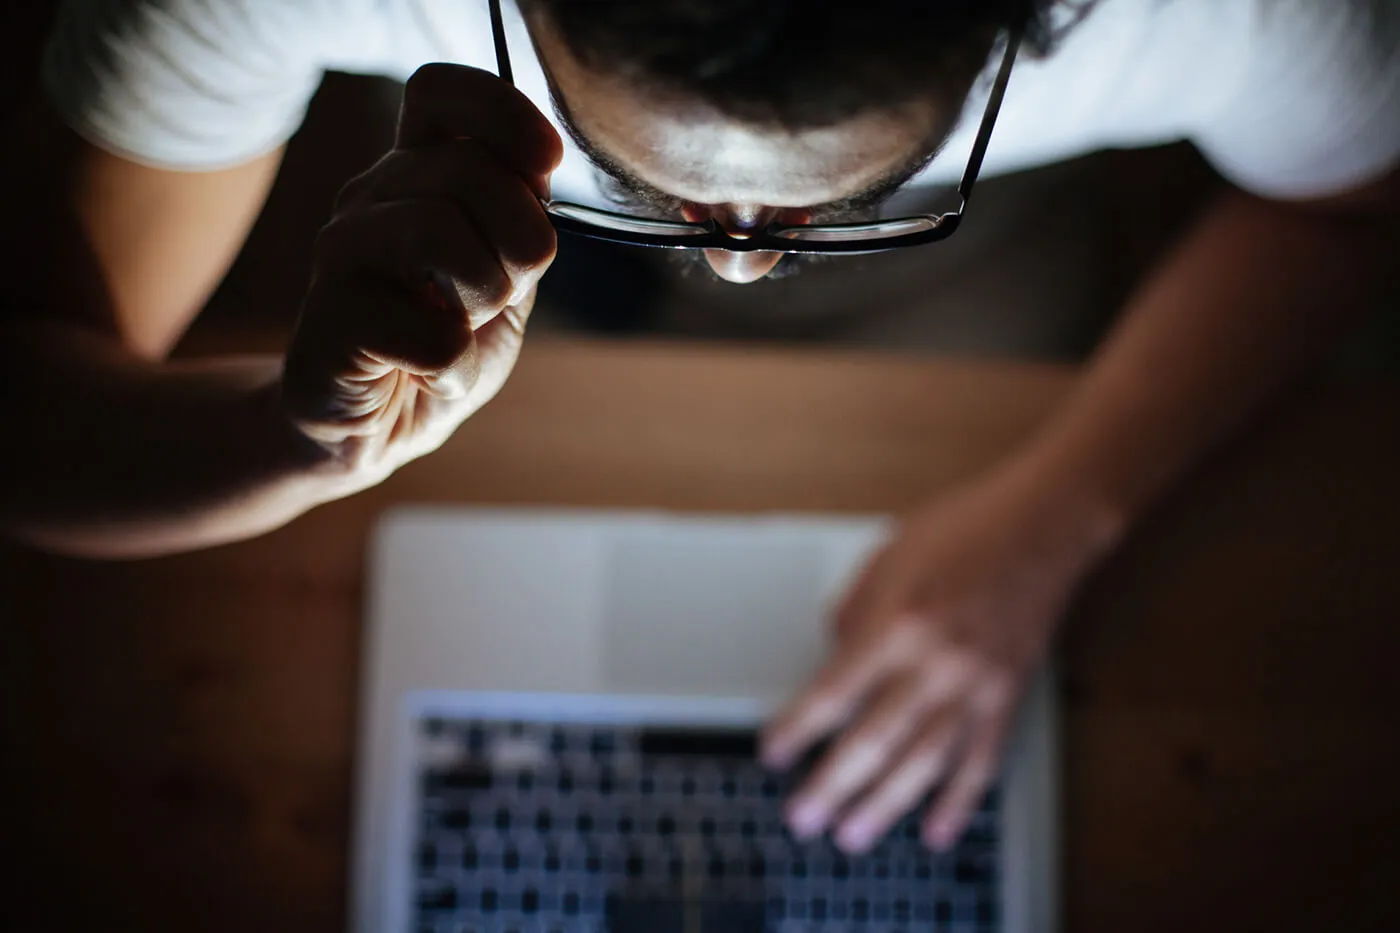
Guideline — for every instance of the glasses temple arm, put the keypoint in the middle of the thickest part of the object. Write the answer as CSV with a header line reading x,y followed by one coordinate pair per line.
x,y
498,34
989,117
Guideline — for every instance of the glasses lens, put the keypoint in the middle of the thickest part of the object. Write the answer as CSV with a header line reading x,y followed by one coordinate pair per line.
x,y
845,233
623,223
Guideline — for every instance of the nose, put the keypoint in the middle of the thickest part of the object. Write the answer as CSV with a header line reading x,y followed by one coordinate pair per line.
x,y
742,221
742,268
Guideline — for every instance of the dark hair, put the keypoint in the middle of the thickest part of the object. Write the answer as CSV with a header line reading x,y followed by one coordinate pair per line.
x,y
798,63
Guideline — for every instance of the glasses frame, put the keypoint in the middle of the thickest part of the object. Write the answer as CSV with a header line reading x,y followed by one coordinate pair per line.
x,y
778,237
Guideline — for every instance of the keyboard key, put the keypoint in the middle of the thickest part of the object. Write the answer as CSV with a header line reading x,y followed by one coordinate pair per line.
x,y
971,871
470,777
444,898
699,743
602,742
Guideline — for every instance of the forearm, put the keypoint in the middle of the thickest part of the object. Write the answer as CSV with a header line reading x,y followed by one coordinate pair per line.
x,y
110,455
1252,297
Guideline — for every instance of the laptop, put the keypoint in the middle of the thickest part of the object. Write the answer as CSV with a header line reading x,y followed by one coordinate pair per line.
x,y
558,722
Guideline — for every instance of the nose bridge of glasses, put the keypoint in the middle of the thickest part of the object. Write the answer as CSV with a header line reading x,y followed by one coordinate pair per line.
x,y
743,221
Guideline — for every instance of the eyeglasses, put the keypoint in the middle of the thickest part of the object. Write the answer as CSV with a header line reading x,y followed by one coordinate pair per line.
x,y
867,237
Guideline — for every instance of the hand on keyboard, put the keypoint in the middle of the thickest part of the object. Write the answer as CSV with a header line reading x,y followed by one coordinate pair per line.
x,y
935,645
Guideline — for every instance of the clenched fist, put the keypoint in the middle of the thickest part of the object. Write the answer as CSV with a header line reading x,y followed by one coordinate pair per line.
x,y
425,275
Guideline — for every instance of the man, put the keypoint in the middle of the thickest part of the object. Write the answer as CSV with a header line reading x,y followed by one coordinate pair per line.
x,y
747,112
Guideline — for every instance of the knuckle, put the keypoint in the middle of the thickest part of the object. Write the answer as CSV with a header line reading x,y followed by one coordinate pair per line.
x,y
434,79
866,746
357,190
960,661
534,250
490,288
929,753
335,240
444,346
824,705
997,686
903,636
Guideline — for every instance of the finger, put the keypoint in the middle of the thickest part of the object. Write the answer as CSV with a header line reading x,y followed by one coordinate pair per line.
x,y
920,767
498,345
494,199
971,777
834,694
418,242
341,365
858,757
448,280
442,102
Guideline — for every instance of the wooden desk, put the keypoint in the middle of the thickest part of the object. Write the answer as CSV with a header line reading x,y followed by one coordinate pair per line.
x,y
179,732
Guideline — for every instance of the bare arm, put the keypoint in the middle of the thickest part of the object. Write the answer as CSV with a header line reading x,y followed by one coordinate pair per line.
x,y
112,451
1257,293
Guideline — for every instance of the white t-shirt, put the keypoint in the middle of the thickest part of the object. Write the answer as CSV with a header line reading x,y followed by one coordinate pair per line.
x,y
1287,98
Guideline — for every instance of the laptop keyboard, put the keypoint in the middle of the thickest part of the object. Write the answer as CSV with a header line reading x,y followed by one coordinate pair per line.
x,y
528,827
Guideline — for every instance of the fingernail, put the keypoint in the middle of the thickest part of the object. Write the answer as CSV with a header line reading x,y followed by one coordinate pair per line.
x,y
855,836
807,819
941,836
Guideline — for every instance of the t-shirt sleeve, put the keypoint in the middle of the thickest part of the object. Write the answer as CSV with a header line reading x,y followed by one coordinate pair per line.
x,y
1315,109
183,84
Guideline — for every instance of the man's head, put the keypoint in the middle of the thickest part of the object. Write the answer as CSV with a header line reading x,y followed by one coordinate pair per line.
x,y
750,111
